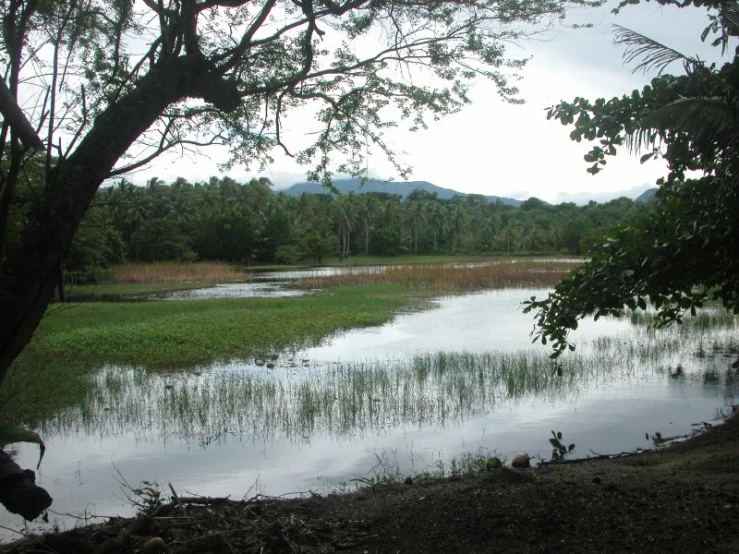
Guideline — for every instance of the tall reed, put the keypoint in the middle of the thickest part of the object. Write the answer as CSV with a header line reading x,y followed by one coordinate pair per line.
x,y
451,277
173,272
346,399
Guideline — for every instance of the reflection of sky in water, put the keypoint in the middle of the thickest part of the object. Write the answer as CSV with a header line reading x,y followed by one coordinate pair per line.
x,y
271,284
608,412
236,290
472,323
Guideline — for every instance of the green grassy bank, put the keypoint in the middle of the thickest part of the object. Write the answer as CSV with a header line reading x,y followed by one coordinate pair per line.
x,y
75,339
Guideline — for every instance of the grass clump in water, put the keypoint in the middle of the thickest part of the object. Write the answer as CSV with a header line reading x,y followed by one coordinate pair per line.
x,y
337,400
705,320
78,338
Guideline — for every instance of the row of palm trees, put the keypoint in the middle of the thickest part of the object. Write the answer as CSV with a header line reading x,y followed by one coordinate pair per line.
x,y
224,219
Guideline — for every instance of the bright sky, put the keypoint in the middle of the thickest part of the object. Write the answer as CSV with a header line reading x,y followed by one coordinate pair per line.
x,y
495,148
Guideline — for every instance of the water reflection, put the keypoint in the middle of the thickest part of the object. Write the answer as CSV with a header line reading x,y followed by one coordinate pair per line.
x,y
275,284
237,290
361,399
427,386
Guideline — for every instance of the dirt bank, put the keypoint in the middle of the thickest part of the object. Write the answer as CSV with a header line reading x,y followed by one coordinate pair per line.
x,y
684,498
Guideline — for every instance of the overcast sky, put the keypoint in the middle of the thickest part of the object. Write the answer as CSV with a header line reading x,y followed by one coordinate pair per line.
x,y
495,148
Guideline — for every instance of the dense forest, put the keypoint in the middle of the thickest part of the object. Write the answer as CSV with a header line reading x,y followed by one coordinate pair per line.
x,y
250,223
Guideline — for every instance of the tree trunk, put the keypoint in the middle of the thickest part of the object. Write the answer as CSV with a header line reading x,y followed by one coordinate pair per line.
x,y
28,274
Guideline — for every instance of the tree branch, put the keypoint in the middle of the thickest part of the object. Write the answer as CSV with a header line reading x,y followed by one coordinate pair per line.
x,y
17,119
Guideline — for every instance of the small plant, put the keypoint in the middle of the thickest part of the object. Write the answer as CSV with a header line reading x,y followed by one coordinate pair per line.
x,y
147,497
493,463
559,450
658,440
374,481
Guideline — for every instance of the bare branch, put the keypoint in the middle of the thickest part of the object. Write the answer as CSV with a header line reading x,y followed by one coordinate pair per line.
x,y
17,119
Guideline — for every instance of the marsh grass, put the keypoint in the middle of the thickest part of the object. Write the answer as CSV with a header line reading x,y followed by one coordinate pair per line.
x,y
177,272
707,319
75,339
123,292
450,277
359,398
389,471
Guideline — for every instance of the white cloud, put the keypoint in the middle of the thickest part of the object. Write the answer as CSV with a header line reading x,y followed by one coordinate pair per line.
x,y
495,148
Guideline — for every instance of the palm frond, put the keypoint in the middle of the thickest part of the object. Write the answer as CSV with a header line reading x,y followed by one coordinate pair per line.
x,y
653,54
729,20
730,17
710,121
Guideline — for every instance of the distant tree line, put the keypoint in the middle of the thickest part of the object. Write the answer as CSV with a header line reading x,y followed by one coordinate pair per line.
x,y
250,223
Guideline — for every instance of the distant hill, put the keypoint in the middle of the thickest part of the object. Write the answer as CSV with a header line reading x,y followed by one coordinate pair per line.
x,y
646,196
403,189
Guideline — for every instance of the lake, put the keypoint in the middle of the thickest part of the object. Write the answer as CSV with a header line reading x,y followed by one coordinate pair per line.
x,y
406,397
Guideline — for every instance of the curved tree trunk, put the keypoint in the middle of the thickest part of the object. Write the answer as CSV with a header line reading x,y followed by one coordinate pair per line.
x,y
30,268
29,271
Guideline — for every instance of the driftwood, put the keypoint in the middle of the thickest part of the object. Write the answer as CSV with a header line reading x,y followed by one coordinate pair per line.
x,y
76,541
195,524
18,491
596,456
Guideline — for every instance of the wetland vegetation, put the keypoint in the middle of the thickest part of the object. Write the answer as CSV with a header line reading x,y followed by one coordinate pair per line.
x,y
254,383
76,338
148,379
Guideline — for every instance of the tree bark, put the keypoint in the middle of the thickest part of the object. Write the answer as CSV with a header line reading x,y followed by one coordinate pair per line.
x,y
17,119
28,274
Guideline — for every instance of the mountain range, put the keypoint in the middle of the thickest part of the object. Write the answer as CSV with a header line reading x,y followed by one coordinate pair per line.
x,y
404,188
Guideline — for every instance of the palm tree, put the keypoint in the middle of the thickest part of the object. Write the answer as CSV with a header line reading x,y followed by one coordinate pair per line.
x,y
415,217
696,116
366,214
437,218
345,214
458,226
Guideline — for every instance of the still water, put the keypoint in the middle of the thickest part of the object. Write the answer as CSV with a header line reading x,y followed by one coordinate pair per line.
x,y
462,377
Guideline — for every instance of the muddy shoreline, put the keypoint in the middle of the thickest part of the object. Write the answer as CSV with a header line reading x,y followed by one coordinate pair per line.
x,y
683,498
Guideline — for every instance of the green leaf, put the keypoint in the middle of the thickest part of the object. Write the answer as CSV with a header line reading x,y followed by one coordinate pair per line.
x,y
10,434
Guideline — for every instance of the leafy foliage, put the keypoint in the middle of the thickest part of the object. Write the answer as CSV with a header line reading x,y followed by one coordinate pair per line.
x,y
685,252
247,222
96,89
10,434
560,451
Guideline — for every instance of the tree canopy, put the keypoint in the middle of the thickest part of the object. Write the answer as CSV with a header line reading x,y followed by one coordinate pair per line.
x,y
221,219
686,252
92,89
